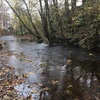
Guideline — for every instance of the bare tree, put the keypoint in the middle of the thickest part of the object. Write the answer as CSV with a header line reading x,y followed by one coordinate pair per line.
x,y
36,34
44,21
4,16
58,17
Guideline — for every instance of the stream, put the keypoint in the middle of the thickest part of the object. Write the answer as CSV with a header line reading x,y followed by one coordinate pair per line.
x,y
53,73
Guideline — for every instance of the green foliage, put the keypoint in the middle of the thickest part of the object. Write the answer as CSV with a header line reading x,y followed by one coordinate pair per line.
x,y
61,20
85,23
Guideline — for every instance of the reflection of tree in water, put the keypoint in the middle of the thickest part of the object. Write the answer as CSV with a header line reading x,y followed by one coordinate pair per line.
x,y
52,74
71,88
82,81
95,70
79,79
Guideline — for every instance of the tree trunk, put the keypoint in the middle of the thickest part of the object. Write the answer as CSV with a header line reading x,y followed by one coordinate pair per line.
x,y
73,5
30,18
44,22
67,15
30,31
58,17
48,16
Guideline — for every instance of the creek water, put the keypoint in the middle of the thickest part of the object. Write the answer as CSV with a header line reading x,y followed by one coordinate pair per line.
x,y
53,73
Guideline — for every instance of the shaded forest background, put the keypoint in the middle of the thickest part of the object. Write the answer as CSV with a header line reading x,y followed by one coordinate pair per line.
x,y
58,21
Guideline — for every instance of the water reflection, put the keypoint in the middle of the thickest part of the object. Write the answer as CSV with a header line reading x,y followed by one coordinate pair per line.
x,y
48,75
80,81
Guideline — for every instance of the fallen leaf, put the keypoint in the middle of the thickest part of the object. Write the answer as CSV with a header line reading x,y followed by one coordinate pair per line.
x,y
70,86
54,82
32,73
34,91
11,93
28,60
40,84
5,97
68,92
43,65
24,75
46,88
69,61
20,81
90,54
